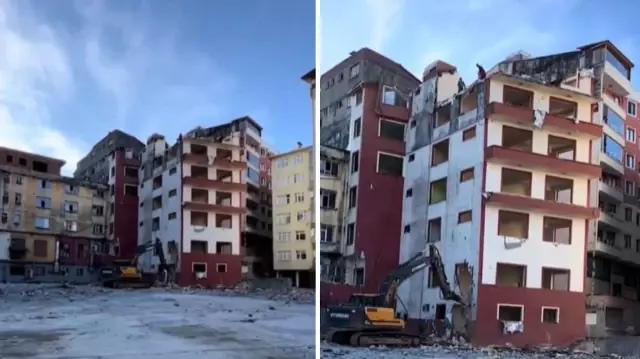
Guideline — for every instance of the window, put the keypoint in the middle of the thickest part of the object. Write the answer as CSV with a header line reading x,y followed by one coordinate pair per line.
x,y
631,135
328,168
631,108
555,279
627,241
628,214
354,71
301,255
351,233
614,121
19,180
390,164
438,191
469,134
41,223
391,130
353,196
284,256
283,199
299,196
173,192
556,230
629,187
407,229
409,193
511,275
326,233
43,202
71,226
130,190
612,148
301,216
98,229
464,217
301,235
284,236
434,230
328,199
513,224
550,315
172,216
466,175
630,161
510,313
357,124
440,153
71,207
221,268
355,161
412,157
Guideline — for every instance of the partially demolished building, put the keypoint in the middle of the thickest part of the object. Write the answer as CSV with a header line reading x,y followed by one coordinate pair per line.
x,y
506,176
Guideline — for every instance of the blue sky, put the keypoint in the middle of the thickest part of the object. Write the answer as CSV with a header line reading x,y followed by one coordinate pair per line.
x,y
465,32
70,71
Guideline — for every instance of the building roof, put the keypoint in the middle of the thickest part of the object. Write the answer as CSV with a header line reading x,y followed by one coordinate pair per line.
x,y
299,149
609,46
309,76
366,54
35,155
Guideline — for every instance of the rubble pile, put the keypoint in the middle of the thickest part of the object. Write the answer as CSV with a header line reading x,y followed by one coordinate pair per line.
x,y
245,289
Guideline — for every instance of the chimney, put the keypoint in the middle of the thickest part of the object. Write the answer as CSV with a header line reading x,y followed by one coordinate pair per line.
x,y
299,144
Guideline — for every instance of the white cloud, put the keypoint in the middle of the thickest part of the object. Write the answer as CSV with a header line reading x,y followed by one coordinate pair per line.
x,y
34,72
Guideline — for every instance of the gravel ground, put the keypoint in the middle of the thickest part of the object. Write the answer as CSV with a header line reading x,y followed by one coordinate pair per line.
x,y
55,322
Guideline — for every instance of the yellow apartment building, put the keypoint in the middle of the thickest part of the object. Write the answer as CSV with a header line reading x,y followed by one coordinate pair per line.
x,y
50,225
292,191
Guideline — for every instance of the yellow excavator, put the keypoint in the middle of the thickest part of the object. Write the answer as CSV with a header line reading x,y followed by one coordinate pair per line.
x,y
125,273
369,319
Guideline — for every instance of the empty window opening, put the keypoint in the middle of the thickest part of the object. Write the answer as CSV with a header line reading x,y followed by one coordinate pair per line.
x,y
390,164
224,220
223,247
469,134
199,172
469,101
443,115
464,217
252,205
131,190
440,153
409,193
199,246
200,219
156,202
517,139
200,195
17,270
22,161
550,315
359,276
198,149
511,275
391,130
466,175
199,268
438,191
155,225
40,248
441,311
39,166
157,182
516,182
222,198
356,127
131,172
513,224
224,175
555,279
355,161
558,189
224,154
434,228
510,313
562,108
514,96
614,317
563,148
221,268
556,230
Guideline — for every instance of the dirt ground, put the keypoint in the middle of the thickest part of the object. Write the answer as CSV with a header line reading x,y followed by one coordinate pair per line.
x,y
97,323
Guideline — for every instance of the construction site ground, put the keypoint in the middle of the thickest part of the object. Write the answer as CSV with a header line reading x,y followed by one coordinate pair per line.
x,y
61,321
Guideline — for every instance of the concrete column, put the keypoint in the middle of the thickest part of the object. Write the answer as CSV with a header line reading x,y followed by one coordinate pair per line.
x,y
297,284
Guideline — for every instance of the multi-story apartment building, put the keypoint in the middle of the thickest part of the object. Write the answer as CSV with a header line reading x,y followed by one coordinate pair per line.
x,y
115,161
310,78
208,199
364,110
334,167
293,245
51,227
500,177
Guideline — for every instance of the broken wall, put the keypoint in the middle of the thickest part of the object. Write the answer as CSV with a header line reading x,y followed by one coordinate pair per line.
x,y
458,243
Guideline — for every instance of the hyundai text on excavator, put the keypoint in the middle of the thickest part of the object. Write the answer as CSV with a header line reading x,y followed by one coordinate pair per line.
x,y
125,273
369,319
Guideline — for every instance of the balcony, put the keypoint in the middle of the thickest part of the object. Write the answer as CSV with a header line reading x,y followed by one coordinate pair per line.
x,y
614,79
204,160
611,191
329,247
619,252
524,116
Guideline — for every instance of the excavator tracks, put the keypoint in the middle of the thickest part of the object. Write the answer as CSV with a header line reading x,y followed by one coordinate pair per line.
x,y
355,338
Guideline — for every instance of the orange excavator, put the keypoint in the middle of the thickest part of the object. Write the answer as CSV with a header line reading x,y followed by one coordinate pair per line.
x,y
369,318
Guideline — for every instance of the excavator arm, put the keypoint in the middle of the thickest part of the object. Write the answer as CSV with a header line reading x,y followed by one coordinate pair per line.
x,y
429,257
